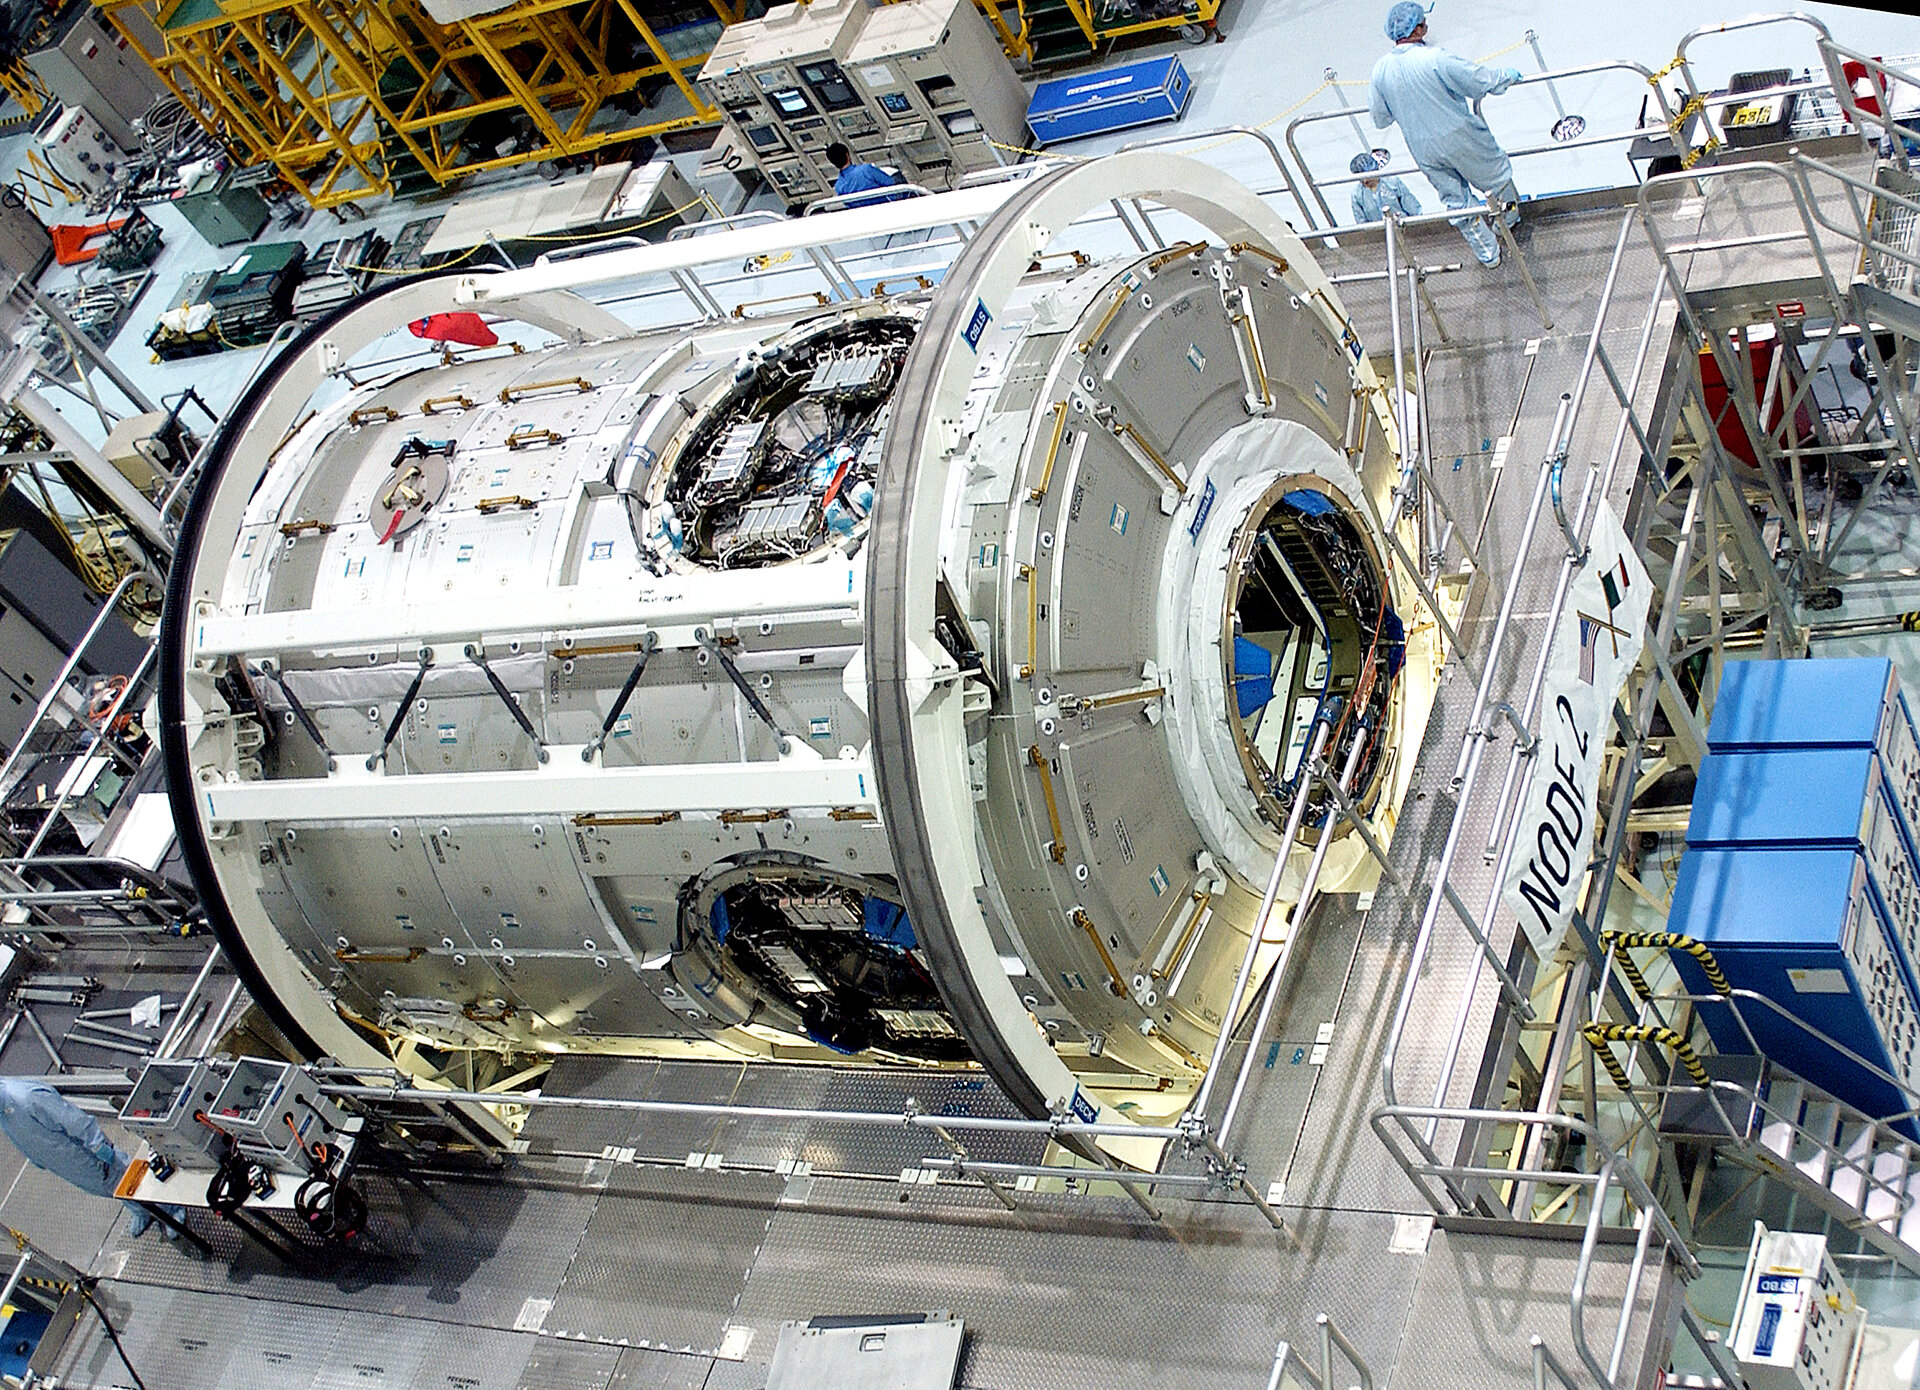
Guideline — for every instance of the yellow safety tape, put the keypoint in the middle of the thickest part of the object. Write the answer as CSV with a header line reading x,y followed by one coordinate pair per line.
x,y
1601,1033
1673,941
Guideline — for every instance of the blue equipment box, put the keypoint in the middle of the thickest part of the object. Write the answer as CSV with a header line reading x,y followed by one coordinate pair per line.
x,y
1800,927
1093,103
1825,798
1829,702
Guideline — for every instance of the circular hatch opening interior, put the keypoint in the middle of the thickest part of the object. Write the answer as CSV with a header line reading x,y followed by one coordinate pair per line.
x,y
1311,634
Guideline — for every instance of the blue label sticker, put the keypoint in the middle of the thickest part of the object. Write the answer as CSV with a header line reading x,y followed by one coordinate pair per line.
x,y
1769,1329
465,556
405,923
1196,357
1159,881
356,565
1319,393
449,733
643,913
623,726
1084,1110
977,325
987,557
1204,511
1118,520
821,727
600,550
1777,1283
507,919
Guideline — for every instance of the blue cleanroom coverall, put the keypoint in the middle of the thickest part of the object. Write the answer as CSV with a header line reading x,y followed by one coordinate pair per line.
x,y
863,178
1370,204
57,1135
1429,92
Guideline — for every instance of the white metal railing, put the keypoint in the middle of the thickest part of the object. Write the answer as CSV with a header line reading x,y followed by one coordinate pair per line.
x,y
1288,1363
1316,184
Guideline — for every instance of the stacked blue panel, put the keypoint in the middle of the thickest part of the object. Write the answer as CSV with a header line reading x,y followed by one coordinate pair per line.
x,y
1800,927
1829,798
1801,871
1835,702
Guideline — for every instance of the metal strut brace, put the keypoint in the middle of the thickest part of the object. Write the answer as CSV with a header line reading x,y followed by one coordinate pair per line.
x,y
599,740
379,755
506,698
299,710
754,702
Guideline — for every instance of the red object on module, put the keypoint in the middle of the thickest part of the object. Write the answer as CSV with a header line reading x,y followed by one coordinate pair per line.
x,y
469,329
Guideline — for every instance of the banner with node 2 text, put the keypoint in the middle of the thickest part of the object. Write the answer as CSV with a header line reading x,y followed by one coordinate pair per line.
x,y
1595,648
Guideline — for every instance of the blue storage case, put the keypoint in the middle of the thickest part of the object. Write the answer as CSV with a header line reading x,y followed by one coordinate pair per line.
x,y
1806,798
1069,108
1802,928
1827,702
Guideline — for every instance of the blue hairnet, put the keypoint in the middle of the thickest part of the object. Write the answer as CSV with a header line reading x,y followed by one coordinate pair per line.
x,y
1363,163
1404,18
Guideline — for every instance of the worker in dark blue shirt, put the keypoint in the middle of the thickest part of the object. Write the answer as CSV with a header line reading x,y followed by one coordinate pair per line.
x,y
860,178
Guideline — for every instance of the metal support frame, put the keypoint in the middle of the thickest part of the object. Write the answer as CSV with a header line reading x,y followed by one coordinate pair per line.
x,y
346,98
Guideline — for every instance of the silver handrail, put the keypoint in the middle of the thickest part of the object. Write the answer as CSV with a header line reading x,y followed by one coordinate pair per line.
x,y
1317,117
1332,1337
97,735
1893,131
1610,1168
867,195
1248,132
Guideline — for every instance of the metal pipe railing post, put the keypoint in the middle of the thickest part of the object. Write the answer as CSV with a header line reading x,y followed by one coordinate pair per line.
x,y
1296,923
1359,133
1465,774
1533,42
1316,745
1396,398
1468,761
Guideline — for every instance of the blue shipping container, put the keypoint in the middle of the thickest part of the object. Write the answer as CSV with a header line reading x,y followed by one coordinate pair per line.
x,y
1070,108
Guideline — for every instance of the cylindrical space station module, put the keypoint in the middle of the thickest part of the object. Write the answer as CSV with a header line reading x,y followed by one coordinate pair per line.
x,y
923,676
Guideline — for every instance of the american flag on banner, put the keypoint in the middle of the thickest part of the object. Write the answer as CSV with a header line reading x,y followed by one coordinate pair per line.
x,y
1590,630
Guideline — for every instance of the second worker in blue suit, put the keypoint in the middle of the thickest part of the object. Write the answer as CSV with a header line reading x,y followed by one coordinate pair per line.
x,y
1372,197
1430,93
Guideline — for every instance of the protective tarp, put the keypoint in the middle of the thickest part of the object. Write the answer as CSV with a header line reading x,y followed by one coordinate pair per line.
x,y
1252,677
885,921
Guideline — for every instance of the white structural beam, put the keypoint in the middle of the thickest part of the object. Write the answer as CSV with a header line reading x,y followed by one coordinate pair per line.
x,y
808,592
742,243
563,786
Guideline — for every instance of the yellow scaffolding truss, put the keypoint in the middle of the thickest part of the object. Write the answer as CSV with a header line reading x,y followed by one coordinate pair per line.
x,y
352,98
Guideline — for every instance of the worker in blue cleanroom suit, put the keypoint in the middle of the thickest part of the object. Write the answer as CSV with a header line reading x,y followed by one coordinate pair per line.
x,y
1372,197
860,178
57,1135
1430,93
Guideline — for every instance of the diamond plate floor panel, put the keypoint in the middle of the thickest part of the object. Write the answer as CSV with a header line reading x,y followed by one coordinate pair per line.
x,y
560,1365
374,1353
476,1254
473,1358
665,1270
641,1368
